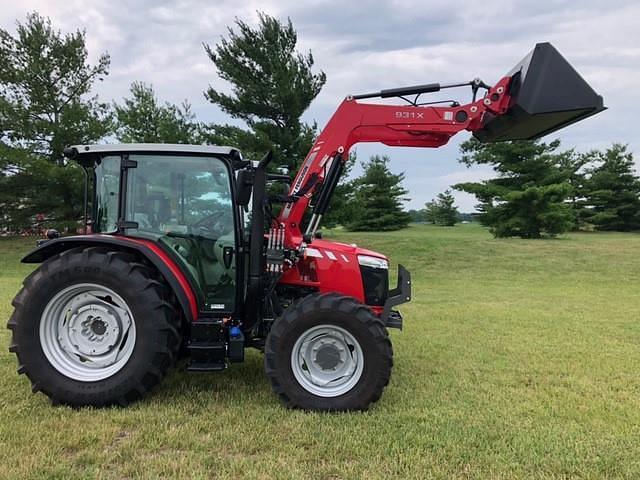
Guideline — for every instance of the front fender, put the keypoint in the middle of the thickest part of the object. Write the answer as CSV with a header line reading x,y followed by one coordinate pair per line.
x,y
148,249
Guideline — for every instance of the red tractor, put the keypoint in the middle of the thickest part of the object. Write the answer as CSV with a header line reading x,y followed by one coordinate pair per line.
x,y
171,268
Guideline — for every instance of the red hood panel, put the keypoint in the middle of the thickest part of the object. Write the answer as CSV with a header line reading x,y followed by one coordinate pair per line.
x,y
344,248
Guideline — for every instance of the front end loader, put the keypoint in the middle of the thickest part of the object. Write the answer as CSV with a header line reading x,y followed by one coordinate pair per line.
x,y
185,257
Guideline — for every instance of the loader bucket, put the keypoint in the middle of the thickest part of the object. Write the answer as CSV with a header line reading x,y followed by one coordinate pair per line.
x,y
546,94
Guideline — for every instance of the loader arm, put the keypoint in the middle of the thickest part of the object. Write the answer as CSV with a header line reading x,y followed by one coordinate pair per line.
x,y
394,125
541,94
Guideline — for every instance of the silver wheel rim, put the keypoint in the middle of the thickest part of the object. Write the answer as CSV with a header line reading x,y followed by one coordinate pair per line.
x,y
327,361
87,332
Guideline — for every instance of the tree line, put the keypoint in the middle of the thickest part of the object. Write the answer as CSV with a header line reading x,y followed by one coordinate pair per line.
x,y
47,102
541,191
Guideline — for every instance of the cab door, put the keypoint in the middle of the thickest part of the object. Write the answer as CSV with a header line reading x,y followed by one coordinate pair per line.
x,y
185,203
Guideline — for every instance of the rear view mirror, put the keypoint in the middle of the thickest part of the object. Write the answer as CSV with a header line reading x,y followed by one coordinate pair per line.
x,y
546,94
244,187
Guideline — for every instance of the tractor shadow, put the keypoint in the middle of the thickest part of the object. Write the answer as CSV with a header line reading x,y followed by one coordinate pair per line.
x,y
245,380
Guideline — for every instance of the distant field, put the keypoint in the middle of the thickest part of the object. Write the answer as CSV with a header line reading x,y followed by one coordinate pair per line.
x,y
519,359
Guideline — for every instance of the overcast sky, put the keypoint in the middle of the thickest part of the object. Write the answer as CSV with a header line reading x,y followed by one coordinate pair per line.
x,y
371,45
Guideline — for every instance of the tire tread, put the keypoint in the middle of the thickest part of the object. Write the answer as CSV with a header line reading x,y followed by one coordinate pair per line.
x,y
329,303
142,281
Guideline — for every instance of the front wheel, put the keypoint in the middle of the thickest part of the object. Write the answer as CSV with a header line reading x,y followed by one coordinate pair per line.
x,y
328,352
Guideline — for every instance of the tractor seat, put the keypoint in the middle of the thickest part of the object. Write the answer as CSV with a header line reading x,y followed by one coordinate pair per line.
x,y
158,208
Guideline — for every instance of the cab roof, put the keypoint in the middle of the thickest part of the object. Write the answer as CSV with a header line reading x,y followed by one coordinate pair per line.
x,y
78,150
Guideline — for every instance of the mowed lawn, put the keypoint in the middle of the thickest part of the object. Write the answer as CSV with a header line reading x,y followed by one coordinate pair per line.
x,y
519,359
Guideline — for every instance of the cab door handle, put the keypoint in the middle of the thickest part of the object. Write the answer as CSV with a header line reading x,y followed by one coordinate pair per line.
x,y
227,256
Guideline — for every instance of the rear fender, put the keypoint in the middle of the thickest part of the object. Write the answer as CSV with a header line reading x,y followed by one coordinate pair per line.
x,y
148,249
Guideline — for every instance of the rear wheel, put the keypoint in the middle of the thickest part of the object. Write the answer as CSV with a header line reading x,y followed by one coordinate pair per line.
x,y
94,327
328,352
87,332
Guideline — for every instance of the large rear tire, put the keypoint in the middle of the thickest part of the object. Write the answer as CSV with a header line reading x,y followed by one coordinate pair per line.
x,y
328,352
94,327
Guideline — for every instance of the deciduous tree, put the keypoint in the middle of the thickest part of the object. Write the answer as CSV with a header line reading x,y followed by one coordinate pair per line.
x,y
45,105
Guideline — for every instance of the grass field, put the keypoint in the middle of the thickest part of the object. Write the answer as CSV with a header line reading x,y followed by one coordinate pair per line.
x,y
519,359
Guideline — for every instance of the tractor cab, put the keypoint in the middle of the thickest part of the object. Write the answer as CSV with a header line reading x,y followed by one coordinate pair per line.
x,y
180,197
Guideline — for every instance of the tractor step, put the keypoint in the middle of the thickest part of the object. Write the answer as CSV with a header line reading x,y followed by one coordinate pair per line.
x,y
207,356
207,347
394,320
206,367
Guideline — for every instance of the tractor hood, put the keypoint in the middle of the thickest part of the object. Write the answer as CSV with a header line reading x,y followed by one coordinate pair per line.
x,y
547,94
344,248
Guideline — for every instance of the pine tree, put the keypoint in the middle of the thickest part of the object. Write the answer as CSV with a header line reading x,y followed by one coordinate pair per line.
x,y
574,167
417,215
142,118
430,212
272,86
442,211
528,199
612,191
378,198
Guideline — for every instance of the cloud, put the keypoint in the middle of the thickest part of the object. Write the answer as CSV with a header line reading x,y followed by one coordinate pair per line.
x,y
370,45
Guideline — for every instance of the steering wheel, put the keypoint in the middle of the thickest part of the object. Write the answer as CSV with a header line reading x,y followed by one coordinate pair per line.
x,y
214,225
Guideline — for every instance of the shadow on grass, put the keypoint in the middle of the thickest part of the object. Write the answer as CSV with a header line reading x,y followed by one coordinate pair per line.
x,y
246,381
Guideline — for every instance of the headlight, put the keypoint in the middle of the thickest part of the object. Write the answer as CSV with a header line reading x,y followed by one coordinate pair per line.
x,y
373,262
